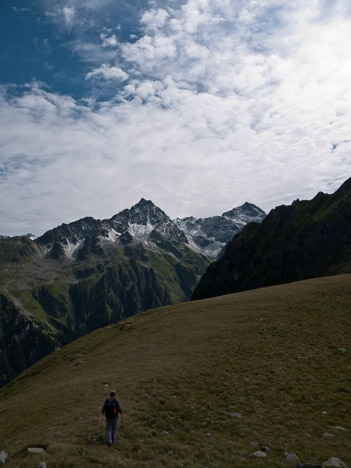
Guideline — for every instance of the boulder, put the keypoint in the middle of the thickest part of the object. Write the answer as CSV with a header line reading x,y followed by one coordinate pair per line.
x,y
3,457
334,461
291,457
258,454
340,428
36,450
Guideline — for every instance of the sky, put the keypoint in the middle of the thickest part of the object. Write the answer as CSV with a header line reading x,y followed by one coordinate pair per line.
x,y
198,105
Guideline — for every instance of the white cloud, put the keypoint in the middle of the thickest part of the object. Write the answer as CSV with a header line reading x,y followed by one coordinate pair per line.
x,y
68,14
109,73
109,41
154,19
224,102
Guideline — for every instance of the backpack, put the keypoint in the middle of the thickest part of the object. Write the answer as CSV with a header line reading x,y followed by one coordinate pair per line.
x,y
111,408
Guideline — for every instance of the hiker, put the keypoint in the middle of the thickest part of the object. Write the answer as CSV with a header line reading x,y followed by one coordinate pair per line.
x,y
111,409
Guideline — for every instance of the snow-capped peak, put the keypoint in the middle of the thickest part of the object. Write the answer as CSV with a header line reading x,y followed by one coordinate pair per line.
x,y
146,223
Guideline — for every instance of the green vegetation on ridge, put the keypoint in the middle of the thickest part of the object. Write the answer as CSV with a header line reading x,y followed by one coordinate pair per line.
x,y
183,372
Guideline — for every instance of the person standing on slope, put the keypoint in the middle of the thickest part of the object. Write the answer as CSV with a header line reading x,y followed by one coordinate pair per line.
x,y
111,409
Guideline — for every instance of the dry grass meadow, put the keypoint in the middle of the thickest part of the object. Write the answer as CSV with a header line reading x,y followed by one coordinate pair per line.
x,y
181,372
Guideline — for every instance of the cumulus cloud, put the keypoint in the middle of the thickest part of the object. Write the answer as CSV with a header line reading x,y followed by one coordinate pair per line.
x,y
223,102
108,72
108,41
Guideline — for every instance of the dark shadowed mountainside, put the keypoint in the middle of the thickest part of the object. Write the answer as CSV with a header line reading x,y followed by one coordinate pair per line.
x,y
304,240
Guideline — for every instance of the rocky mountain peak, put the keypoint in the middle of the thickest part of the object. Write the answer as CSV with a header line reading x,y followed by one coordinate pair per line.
x,y
210,235
146,223
247,212
146,212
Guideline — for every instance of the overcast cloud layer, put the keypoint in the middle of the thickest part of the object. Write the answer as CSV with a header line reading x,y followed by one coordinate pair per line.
x,y
211,103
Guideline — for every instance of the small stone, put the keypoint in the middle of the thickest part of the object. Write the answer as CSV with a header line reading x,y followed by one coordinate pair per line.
x,y
3,457
254,444
41,465
334,461
328,435
258,454
302,358
340,428
36,450
291,457
236,415
324,412
264,449
165,432
341,350
170,452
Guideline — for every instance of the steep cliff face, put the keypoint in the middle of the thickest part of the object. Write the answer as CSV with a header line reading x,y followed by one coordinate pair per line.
x,y
22,341
304,240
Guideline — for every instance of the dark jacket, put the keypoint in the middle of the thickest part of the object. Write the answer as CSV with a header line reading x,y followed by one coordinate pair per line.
x,y
115,404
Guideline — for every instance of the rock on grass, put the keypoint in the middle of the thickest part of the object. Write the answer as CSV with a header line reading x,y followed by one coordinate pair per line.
x,y
36,450
334,461
291,457
3,457
258,454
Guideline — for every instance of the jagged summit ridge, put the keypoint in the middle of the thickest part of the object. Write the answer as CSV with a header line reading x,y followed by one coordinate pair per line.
x,y
210,235
148,224
246,213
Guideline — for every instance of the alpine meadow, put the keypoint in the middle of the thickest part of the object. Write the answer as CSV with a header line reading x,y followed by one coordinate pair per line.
x,y
199,383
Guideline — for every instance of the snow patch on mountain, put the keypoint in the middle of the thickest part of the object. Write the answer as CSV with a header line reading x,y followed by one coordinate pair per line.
x,y
210,235
112,235
71,248
140,231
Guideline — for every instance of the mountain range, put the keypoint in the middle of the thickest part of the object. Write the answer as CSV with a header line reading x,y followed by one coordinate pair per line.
x,y
89,273
310,238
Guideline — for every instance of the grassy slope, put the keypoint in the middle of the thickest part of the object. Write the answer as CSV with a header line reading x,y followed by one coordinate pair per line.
x,y
182,369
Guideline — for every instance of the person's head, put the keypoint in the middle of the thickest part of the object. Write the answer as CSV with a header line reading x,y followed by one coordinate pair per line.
x,y
112,393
